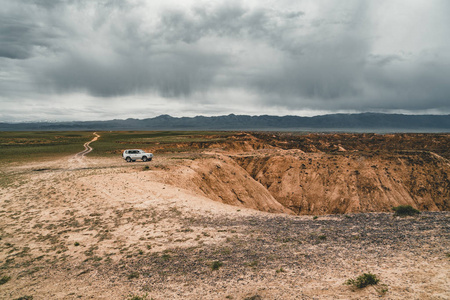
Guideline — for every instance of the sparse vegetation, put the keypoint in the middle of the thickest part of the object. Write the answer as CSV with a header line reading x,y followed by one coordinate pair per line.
x,y
24,298
137,297
166,257
215,265
253,264
133,275
255,297
4,279
355,237
112,143
40,144
382,290
363,280
405,210
90,251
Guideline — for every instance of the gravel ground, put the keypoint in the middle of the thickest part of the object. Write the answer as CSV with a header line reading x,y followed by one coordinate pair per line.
x,y
276,250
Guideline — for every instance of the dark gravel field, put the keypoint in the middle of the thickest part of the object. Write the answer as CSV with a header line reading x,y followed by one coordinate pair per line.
x,y
275,250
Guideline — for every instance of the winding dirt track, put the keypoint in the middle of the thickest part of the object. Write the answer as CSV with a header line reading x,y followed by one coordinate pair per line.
x,y
87,147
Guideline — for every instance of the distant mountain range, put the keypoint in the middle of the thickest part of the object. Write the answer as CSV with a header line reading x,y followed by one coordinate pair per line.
x,y
364,122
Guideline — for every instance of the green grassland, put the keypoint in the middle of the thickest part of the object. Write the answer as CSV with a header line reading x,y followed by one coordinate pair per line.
x,y
113,143
27,146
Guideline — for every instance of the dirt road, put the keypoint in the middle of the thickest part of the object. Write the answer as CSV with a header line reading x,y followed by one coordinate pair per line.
x,y
79,159
87,147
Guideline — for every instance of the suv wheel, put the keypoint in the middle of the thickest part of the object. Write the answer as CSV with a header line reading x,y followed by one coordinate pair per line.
x,y
128,159
144,158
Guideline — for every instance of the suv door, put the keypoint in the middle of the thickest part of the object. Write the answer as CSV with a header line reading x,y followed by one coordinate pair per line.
x,y
135,154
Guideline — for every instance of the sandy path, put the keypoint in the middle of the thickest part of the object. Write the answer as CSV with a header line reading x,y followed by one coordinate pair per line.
x,y
78,160
87,147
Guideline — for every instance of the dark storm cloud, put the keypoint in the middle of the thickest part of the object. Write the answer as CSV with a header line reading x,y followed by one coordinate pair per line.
x,y
20,36
324,55
122,57
227,20
172,73
13,39
425,84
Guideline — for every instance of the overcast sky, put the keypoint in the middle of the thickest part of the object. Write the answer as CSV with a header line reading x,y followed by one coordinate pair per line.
x,y
97,60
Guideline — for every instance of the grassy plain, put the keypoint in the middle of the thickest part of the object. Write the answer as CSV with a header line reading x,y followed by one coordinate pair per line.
x,y
113,143
33,145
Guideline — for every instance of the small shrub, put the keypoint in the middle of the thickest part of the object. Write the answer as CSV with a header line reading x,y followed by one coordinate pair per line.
x,y
226,251
383,290
322,237
405,210
4,279
216,265
136,297
255,297
165,257
280,270
146,168
76,244
24,298
315,217
133,275
355,237
363,280
253,263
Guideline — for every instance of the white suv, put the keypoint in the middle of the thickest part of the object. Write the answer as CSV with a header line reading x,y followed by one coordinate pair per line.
x,y
132,155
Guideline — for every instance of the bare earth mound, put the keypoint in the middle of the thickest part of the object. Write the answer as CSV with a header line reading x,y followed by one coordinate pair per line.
x,y
223,223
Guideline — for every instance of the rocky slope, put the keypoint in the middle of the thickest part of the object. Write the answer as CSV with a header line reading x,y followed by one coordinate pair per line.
x,y
321,174
349,183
